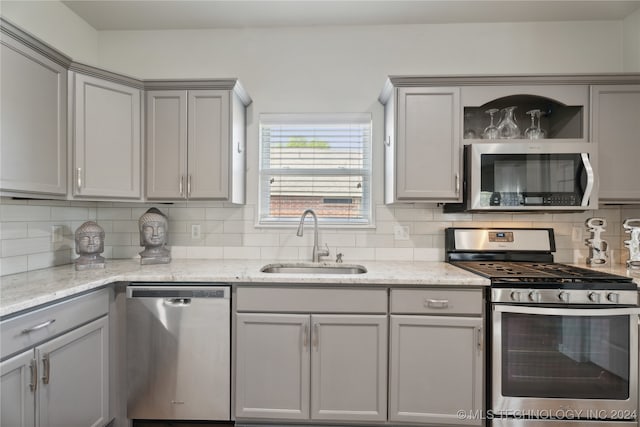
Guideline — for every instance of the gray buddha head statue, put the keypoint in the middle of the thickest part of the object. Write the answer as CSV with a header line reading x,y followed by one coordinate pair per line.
x,y
153,227
89,239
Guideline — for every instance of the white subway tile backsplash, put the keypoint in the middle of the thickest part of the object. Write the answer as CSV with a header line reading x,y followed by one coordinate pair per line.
x,y
231,252
27,246
49,259
228,231
13,230
14,264
113,214
24,212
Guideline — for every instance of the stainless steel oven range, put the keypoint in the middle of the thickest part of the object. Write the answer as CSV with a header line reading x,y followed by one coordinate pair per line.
x,y
563,339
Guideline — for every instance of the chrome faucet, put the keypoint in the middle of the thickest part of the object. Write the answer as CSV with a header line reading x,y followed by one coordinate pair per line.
x,y
317,252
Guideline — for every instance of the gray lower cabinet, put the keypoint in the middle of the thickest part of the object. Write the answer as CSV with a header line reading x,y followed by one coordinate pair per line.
x,y
311,354
336,362
436,365
33,124
55,365
107,139
615,128
422,144
196,143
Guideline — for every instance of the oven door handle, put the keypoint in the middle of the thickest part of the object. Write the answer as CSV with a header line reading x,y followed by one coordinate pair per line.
x,y
620,311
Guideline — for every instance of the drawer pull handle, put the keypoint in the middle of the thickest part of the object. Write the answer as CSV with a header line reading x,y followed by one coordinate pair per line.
x,y
46,365
37,327
437,303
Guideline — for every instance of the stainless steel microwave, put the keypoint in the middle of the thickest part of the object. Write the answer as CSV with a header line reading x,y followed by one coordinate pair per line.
x,y
529,176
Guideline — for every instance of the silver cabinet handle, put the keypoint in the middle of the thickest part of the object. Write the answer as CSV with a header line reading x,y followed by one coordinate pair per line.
x,y
33,385
79,177
181,185
189,186
479,338
387,142
46,366
305,333
316,333
239,148
436,303
457,183
37,327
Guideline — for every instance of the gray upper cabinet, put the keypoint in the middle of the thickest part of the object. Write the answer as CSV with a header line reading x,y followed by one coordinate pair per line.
x,y
107,138
196,143
422,144
615,127
33,153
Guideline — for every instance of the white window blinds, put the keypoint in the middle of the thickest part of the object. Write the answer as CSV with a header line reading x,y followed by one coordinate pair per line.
x,y
317,161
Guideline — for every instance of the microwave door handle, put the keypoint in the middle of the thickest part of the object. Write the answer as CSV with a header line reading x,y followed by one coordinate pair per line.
x,y
590,179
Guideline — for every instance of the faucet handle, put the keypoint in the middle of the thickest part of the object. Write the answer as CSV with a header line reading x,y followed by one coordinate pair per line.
x,y
339,258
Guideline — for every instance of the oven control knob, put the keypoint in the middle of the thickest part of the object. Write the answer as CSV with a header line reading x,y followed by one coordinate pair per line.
x,y
563,296
533,296
515,295
594,297
613,297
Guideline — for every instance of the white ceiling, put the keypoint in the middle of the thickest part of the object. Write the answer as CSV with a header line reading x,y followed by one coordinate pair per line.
x,y
206,14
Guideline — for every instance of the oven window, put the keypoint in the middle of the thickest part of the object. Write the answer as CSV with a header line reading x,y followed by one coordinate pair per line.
x,y
577,357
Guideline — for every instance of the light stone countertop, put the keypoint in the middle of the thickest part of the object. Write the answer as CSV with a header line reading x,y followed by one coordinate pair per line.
x,y
24,291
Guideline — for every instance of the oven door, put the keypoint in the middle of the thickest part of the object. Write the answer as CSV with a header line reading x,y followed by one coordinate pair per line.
x,y
583,361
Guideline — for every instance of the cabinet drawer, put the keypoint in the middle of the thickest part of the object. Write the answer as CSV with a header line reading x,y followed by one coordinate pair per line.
x,y
436,301
316,300
26,330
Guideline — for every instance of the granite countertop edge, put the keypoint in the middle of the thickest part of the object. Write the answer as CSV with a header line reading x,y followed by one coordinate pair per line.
x,y
24,291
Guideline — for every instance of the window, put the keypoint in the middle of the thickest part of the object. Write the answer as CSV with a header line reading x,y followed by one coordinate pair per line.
x,y
317,161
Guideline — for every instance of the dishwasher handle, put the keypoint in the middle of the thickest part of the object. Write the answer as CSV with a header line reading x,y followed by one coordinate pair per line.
x,y
178,294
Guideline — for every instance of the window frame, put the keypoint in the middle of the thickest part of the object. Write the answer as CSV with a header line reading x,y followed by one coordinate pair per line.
x,y
269,119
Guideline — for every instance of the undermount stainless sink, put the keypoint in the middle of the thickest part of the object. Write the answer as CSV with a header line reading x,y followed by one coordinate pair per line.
x,y
314,268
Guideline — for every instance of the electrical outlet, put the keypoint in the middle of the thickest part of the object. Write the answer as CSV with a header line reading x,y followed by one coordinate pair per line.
x,y
57,233
401,232
195,231
576,234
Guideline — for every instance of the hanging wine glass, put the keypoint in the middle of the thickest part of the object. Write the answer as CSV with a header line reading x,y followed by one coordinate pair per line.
x,y
534,131
491,131
508,127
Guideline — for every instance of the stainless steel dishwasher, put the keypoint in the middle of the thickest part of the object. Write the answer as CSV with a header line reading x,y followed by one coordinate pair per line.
x,y
178,351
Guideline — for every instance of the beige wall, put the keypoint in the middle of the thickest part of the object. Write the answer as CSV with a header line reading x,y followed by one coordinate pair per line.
x,y
54,23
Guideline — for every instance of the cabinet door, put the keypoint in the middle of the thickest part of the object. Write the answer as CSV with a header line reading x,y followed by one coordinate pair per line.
x,y
208,145
107,139
17,387
74,380
166,144
428,144
272,366
436,369
33,153
616,129
349,367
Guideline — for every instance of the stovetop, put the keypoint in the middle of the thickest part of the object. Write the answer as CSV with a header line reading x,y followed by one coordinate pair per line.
x,y
545,275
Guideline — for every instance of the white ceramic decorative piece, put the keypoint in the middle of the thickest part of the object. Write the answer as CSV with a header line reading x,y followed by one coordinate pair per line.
x,y
598,248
